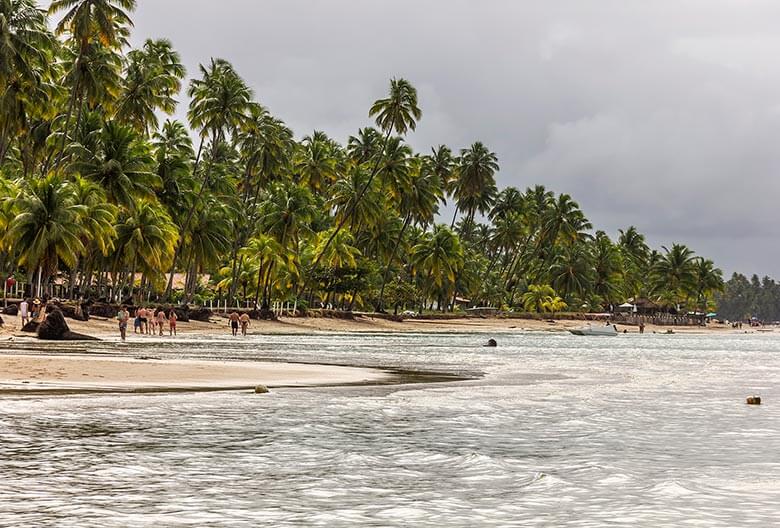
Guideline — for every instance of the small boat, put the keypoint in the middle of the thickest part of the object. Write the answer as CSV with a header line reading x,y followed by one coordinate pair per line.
x,y
590,330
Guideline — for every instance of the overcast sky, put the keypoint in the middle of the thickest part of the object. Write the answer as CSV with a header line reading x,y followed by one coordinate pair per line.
x,y
660,114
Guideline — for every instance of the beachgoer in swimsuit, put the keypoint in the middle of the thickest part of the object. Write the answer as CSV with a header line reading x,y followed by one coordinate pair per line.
x,y
24,311
172,322
244,319
123,316
137,322
234,322
144,323
161,320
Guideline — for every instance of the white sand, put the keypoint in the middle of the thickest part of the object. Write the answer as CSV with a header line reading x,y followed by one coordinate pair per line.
x,y
22,372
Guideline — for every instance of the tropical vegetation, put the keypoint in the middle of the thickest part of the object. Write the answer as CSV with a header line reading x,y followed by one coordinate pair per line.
x,y
104,193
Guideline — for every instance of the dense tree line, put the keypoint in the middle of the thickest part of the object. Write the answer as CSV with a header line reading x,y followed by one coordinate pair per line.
x,y
743,298
96,189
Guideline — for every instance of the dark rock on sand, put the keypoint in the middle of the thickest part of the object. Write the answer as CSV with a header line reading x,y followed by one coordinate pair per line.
x,y
11,309
182,313
263,314
491,343
261,389
103,310
754,400
31,327
198,314
55,328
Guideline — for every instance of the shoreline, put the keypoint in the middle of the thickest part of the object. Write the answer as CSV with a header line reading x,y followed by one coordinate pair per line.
x,y
83,373
51,373
218,326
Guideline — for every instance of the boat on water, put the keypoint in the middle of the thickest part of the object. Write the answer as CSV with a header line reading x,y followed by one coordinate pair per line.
x,y
590,330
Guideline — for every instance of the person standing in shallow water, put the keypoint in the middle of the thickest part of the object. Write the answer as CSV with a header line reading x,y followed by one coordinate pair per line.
x,y
233,317
123,316
161,319
244,319
172,323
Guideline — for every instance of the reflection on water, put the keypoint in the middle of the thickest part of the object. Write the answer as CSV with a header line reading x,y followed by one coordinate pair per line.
x,y
561,431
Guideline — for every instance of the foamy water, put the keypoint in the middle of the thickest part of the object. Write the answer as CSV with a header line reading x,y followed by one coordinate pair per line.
x,y
560,431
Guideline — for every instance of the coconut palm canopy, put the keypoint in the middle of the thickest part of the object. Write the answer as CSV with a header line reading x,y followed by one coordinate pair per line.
x,y
98,187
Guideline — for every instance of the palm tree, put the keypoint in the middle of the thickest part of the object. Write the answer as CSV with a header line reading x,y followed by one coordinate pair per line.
x,y
707,279
538,297
419,204
635,266
350,201
25,46
210,238
571,272
172,157
153,76
508,202
266,253
437,260
316,163
285,215
441,163
98,221
96,27
48,229
475,185
145,238
220,102
674,273
397,112
607,267
120,161
366,145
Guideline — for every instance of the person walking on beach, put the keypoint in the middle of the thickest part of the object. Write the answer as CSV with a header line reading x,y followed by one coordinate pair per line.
x,y
234,322
24,311
244,319
161,320
123,316
137,321
172,322
144,321
152,321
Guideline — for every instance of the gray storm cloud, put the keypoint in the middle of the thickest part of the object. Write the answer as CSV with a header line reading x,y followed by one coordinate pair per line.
x,y
662,114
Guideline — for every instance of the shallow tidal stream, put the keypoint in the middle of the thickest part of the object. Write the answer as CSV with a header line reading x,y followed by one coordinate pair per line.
x,y
551,430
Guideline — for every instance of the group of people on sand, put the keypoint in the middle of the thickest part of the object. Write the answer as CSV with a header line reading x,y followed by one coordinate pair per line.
x,y
149,321
236,320
31,310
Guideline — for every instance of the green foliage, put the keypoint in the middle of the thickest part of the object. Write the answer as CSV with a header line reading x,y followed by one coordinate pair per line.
x,y
95,189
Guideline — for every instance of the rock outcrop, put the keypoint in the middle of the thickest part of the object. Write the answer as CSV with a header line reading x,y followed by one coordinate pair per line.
x,y
55,328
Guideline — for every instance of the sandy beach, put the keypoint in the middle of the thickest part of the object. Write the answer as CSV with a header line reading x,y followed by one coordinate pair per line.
x,y
110,374
218,325
73,372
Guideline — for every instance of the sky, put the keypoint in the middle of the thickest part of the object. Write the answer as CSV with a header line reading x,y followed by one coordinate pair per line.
x,y
661,114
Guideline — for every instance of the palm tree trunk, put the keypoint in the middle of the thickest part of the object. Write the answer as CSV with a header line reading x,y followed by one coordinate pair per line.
x,y
452,225
188,219
132,279
380,303
259,281
69,114
267,287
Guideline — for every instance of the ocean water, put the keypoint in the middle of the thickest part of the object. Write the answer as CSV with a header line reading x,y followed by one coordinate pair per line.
x,y
548,430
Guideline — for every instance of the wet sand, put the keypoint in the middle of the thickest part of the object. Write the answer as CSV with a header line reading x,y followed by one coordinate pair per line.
x,y
81,373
